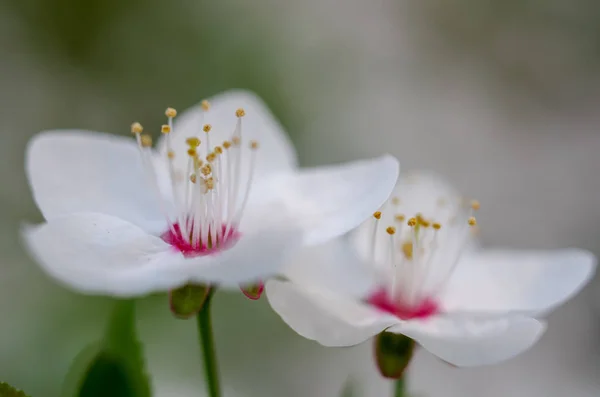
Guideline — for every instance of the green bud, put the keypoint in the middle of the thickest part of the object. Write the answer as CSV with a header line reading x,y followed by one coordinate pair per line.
x,y
7,390
253,291
188,300
393,353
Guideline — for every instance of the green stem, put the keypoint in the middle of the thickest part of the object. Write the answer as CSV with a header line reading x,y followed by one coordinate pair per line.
x,y
207,342
120,322
399,388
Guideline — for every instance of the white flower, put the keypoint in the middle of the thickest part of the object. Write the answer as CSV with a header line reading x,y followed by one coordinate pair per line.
x,y
427,280
209,206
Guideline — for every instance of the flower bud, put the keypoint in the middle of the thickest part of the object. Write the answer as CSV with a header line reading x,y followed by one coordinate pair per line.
x,y
393,353
253,291
188,300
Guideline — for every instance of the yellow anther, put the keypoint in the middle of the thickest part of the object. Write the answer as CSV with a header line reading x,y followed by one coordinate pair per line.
x,y
399,217
165,129
377,215
211,157
193,178
240,112
206,170
136,128
171,154
396,200
207,127
436,225
472,221
412,222
146,140
235,140
407,249
205,105
198,162
475,205
425,223
391,230
210,183
218,149
253,145
193,141
226,144
192,152
170,112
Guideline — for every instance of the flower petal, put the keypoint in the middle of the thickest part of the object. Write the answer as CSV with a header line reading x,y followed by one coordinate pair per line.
x,y
329,201
527,281
253,258
470,341
328,318
102,254
277,151
332,265
78,171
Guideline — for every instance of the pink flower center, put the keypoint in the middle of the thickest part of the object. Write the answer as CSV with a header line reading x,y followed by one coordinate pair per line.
x,y
203,247
425,308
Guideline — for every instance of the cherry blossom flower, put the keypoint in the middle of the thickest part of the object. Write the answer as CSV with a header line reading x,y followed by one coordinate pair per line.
x,y
416,269
221,200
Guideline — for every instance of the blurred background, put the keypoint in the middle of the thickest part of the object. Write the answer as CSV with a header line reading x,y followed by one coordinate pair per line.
x,y
500,96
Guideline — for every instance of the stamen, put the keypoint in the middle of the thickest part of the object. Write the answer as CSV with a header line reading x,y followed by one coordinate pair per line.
x,y
146,140
254,148
145,143
136,128
210,205
376,217
170,113
391,231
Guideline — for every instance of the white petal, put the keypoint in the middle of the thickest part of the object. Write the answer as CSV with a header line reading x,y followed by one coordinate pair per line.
x,y
329,201
528,281
332,265
328,318
276,152
78,171
101,254
421,192
468,342
254,257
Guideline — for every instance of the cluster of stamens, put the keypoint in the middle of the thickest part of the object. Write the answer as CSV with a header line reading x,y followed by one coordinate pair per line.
x,y
209,205
421,258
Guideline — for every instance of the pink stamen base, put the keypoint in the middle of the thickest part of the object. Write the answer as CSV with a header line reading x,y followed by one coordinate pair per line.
x,y
424,309
190,251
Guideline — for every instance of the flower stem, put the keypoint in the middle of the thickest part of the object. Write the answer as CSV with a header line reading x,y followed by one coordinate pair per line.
x,y
399,388
207,343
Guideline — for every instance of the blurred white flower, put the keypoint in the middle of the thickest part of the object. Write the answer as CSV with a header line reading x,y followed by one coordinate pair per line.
x,y
427,279
209,206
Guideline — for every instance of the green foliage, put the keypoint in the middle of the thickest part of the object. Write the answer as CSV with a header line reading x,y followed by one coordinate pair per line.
x,y
7,390
114,366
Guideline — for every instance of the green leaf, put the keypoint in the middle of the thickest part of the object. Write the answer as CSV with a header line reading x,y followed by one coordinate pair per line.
x,y
113,366
7,390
